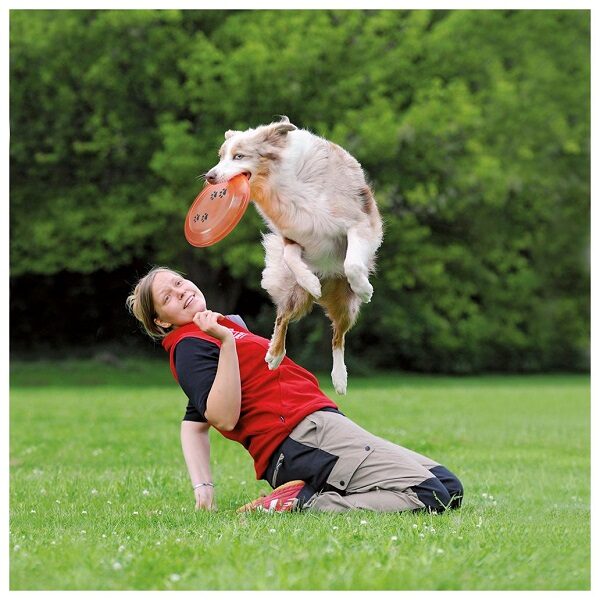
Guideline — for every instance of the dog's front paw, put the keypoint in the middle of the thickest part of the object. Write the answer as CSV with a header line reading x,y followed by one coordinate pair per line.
x,y
311,284
363,289
274,360
339,377
358,279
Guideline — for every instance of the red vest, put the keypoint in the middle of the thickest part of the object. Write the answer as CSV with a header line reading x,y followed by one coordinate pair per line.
x,y
273,402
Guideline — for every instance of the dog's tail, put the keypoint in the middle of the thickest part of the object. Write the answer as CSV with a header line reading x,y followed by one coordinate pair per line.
x,y
369,206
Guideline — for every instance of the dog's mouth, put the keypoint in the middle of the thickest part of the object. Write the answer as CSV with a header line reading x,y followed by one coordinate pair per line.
x,y
246,174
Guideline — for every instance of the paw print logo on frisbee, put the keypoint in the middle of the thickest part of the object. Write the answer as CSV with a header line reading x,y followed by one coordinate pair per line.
x,y
216,211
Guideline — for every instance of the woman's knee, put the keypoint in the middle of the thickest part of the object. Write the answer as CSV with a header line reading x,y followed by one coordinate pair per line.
x,y
433,494
451,482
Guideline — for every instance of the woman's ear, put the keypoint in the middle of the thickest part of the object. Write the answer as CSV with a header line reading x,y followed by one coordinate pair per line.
x,y
162,324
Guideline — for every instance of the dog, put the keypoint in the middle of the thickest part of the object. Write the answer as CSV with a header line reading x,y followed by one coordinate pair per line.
x,y
325,224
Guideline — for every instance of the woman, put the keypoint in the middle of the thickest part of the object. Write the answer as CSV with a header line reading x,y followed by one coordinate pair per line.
x,y
313,456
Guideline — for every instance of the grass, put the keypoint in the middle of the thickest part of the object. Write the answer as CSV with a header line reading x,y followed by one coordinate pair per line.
x,y
100,499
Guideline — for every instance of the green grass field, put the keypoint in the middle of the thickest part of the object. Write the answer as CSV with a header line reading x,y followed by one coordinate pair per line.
x,y
100,498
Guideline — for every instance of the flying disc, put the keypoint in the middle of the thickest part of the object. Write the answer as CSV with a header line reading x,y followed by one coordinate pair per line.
x,y
216,210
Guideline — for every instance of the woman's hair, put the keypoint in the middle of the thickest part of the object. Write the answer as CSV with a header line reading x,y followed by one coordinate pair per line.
x,y
141,304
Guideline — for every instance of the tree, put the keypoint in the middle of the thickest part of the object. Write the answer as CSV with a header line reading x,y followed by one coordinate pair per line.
x,y
473,127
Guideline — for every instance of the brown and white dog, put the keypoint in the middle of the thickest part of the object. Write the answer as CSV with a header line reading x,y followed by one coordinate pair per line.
x,y
326,227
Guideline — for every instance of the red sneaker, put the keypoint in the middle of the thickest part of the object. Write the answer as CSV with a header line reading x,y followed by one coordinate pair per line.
x,y
282,499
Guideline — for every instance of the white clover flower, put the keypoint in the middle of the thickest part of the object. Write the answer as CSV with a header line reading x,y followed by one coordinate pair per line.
x,y
271,530
440,551
158,543
83,532
174,577
117,566
394,538
17,548
484,495
335,527
121,548
146,493
32,510
94,491
84,512
363,522
135,512
415,526
421,535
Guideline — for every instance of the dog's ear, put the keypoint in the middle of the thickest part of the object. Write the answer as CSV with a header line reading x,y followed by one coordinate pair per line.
x,y
231,132
282,127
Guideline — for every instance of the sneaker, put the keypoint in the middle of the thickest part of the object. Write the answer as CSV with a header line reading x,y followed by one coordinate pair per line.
x,y
282,499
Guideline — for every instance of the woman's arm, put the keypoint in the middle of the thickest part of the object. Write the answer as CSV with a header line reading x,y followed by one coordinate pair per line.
x,y
196,451
223,402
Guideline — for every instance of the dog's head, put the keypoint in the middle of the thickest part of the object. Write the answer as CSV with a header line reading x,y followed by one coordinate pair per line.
x,y
250,152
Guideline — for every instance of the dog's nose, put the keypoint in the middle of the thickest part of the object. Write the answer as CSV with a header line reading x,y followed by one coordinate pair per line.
x,y
211,177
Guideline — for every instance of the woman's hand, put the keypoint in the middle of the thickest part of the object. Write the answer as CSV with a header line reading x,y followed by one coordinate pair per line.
x,y
205,499
207,322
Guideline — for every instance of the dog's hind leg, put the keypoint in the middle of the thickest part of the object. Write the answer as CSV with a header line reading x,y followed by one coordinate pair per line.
x,y
292,256
341,305
359,256
295,306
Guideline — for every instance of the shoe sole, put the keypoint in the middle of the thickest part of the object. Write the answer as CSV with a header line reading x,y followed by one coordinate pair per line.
x,y
255,504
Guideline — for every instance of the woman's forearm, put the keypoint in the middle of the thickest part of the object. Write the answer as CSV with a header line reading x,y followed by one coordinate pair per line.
x,y
223,402
196,451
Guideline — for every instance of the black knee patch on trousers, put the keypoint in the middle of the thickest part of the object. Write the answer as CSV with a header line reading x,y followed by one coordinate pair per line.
x,y
433,494
452,483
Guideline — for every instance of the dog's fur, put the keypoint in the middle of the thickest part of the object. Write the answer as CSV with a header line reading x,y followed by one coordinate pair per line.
x,y
326,227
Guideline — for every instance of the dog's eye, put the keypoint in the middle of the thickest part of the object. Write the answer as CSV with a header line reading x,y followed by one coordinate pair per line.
x,y
238,157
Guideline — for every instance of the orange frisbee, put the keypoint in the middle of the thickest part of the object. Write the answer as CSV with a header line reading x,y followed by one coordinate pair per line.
x,y
216,211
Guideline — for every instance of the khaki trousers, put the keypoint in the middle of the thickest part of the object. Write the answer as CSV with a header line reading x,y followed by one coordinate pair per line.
x,y
370,473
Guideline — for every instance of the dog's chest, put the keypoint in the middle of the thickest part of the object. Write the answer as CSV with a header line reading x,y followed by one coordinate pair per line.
x,y
307,221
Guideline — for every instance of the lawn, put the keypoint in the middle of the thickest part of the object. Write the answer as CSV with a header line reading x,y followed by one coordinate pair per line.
x,y
100,498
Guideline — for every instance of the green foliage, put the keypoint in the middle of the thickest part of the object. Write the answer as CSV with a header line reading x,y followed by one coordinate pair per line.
x,y
473,127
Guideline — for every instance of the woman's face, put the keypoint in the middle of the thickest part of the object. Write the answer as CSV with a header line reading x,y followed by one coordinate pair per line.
x,y
176,300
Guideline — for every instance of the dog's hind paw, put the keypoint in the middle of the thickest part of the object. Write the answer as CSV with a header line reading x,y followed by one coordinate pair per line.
x,y
274,360
339,377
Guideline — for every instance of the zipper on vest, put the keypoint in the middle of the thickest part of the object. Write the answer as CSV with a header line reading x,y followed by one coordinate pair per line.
x,y
276,471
